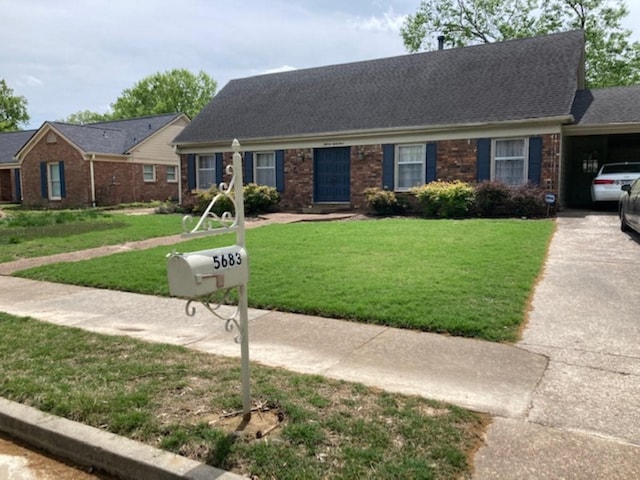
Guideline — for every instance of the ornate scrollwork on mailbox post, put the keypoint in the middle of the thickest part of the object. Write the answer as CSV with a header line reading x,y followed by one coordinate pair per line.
x,y
209,276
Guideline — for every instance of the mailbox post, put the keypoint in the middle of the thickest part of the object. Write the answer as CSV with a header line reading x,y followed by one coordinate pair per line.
x,y
200,276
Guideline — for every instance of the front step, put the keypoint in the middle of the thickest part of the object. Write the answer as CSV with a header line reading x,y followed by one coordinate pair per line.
x,y
327,208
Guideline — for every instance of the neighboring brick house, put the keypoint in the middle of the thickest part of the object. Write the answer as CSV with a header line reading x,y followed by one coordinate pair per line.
x,y
323,135
62,165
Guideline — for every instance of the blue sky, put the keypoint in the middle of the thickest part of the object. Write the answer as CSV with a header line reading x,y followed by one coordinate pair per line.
x,y
65,56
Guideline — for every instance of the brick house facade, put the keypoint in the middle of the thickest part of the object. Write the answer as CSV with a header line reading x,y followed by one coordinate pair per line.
x,y
63,166
457,159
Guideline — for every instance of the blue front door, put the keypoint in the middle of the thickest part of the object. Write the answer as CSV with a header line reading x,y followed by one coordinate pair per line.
x,y
332,174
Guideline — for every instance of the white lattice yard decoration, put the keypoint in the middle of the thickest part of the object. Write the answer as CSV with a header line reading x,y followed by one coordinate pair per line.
x,y
208,276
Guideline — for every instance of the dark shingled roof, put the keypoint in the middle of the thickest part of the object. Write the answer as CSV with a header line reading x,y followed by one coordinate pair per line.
x,y
116,137
613,105
11,142
513,80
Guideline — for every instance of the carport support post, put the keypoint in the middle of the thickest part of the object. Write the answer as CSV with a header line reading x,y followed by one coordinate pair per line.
x,y
243,302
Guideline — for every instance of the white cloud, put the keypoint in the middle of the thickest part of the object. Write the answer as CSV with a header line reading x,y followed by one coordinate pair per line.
x,y
284,68
388,22
29,81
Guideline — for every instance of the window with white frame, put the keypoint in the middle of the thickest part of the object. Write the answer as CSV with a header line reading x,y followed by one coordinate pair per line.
x,y
206,171
410,166
510,161
149,173
172,174
55,181
264,166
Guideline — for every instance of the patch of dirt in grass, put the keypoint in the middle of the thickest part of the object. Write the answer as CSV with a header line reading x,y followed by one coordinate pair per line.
x,y
260,425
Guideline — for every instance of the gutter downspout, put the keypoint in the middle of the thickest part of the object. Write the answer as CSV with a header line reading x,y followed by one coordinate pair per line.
x,y
175,151
93,180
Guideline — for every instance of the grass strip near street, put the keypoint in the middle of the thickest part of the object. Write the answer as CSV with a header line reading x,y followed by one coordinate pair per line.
x,y
175,399
470,278
40,233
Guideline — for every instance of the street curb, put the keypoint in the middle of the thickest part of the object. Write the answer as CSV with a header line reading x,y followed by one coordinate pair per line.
x,y
91,447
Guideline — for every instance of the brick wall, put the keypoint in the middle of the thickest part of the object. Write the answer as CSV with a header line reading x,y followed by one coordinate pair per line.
x,y
456,160
298,179
366,172
550,179
124,183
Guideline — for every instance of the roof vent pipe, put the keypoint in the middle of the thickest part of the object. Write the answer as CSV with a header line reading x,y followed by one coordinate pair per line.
x,y
440,42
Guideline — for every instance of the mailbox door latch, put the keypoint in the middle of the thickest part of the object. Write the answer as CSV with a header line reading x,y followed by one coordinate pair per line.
x,y
219,278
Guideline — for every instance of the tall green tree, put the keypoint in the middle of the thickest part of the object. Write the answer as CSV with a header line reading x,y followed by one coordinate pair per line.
x,y
87,116
176,90
611,58
13,109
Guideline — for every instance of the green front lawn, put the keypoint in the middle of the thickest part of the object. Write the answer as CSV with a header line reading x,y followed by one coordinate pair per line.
x,y
26,234
470,278
175,399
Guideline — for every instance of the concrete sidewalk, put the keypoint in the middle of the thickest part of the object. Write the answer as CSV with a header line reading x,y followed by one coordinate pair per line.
x,y
483,376
565,400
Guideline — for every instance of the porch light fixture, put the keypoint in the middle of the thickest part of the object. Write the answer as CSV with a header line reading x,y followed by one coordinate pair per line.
x,y
301,156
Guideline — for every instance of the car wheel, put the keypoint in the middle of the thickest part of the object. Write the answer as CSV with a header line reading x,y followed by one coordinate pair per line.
x,y
624,226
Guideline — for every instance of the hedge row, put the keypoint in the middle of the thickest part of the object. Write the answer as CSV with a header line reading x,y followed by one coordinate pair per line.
x,y
459,200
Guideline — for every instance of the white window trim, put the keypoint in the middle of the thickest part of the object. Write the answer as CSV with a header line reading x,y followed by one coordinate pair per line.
x,y
50,181
175,171
525,155
153,172
396,168
255,166
198,157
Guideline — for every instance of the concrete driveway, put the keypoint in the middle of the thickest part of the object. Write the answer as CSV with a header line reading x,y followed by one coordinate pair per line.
x,y
584,418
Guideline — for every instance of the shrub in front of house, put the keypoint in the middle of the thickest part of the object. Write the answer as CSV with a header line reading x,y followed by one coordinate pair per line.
x,y
383,202
445,199
528,201
203,199
493,199
259,199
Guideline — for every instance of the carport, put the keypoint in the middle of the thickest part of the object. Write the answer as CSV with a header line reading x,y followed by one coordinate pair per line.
x,y
606,130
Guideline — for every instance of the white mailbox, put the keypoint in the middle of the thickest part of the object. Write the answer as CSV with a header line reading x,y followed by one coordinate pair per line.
x,y
198,274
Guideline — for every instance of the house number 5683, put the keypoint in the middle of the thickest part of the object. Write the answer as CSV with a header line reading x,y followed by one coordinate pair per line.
x,y
227,260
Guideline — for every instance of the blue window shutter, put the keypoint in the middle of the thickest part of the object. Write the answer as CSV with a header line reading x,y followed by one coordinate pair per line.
x,y
44,184
18,187
63,186
388,152
191,171
535,160
248,167
484,159
432,152
219,168
280,170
